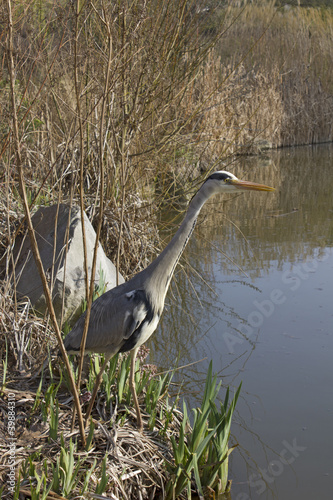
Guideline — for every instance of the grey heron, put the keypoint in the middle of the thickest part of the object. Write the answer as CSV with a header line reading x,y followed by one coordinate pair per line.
x,y
123,318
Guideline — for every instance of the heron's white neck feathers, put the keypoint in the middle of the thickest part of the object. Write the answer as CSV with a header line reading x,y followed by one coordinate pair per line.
x,y
158,274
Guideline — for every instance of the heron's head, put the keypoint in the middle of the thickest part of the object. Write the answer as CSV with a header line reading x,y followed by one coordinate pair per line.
x,y
227,182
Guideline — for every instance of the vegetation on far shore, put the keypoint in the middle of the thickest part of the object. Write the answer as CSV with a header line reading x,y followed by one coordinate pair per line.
x,y
120,107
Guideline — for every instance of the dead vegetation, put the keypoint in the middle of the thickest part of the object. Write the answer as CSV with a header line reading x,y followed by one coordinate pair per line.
x,y
134,463
117,461
116,107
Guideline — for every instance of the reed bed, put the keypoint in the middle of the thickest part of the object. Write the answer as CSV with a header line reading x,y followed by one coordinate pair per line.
x,y
290,48
117,460
238,80
266,84
121,107
118,455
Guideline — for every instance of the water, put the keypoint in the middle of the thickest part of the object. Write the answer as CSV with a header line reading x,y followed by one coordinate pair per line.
x,y
270,328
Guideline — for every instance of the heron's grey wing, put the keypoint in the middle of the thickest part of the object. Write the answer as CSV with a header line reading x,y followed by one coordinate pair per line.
x,y
114,318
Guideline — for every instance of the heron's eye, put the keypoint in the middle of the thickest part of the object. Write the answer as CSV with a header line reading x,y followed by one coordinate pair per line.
x,y
227,180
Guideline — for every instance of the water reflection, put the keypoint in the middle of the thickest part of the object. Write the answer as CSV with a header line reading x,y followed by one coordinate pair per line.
x,y
253,294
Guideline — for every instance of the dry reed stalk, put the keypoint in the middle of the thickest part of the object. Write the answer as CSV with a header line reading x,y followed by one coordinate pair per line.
x,y
293,56
244,111
135,462
101,207
19,166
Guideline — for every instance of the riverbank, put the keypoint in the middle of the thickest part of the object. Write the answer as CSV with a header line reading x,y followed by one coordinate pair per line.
x,y
113,107
42,455
146,113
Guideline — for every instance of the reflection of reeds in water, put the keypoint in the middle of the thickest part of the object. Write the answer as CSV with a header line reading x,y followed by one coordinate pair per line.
x,y
257,231
253,229
291,224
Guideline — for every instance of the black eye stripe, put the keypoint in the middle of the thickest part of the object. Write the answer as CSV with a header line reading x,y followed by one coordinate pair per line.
x,y
220,176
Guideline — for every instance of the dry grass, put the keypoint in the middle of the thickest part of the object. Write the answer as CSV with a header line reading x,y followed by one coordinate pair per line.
x,y
266,83
291,50
176,104
139,241
243,116
135,463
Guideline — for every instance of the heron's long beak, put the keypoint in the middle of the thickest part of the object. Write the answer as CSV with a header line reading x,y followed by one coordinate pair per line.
x,y
250,185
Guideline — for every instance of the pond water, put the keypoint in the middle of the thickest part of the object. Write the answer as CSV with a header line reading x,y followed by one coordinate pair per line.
x,y
254,294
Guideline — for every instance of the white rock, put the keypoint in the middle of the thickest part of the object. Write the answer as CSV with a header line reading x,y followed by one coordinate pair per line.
x,y
70,270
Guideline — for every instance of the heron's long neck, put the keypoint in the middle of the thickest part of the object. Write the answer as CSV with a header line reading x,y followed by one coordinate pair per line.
x,y
160,271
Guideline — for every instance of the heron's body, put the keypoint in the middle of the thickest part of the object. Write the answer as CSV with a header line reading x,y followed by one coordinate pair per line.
x,y
123,318
120,320
126,316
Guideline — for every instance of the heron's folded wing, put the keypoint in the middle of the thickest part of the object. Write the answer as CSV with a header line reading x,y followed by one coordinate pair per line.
x,y
113,319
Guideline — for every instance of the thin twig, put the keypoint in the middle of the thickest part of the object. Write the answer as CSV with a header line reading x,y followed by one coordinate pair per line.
x,y
34,245
101,207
